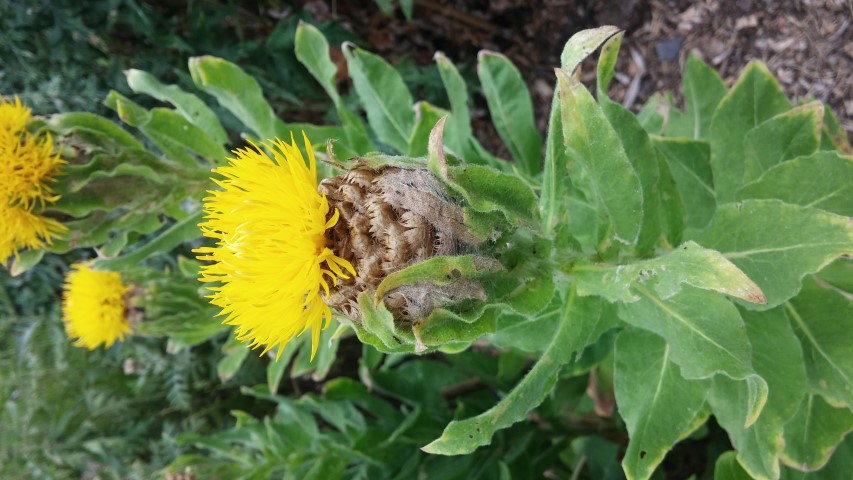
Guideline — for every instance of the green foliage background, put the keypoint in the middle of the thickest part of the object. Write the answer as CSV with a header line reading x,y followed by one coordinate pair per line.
x,y
690,270
66,55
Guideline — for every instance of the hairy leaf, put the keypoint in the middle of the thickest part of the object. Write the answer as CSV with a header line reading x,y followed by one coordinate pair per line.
x,y
756,97
658,405
688,264
823,180
814,431
778,358
511,109
312,51
728,468
464,436
706,335
637,146
689,164
795,133
607,64
488,190
703,89
235,90
592,141
582,44
385,97
187,104
776,244
823,320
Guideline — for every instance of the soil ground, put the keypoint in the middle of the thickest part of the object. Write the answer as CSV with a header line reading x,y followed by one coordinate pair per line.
x,y
807,44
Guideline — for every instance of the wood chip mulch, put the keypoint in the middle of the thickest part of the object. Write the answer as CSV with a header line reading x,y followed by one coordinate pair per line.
x,y
807,44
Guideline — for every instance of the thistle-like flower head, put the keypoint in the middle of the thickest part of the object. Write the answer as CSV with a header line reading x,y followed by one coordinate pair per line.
x,y
94,307
27,168
271,258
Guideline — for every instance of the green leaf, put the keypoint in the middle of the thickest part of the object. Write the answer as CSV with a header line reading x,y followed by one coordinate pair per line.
x,y
531,294
756,97
690,165
235,90
170,131
235,353
188,267
658,405
596,457
377,326
183,330
840,465
552,201
672,212
134,115
823,180
462,437
534,334
182,231
355,131
814,431
688,264
385,6
839,275
511,109
318,366
635,142
25,261
326,467
651,115
383,95
582,44
833,137
703,89
607,64
187,104
795,133
89,123
587,225
459,122
312,51
706,336
776,244
436,158
823,320
427,115
451,331
442,270
319,133
592,142
457,135
278,364
487,189
727,468
595,318
778,358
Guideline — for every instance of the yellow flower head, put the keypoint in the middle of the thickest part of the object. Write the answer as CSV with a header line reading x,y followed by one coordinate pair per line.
x,y
93,307
27,167
21,228
271,257
14,117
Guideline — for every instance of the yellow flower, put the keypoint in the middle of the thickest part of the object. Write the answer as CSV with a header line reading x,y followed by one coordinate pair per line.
x,y
271,257
21,228
27,167
14,117
93,307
